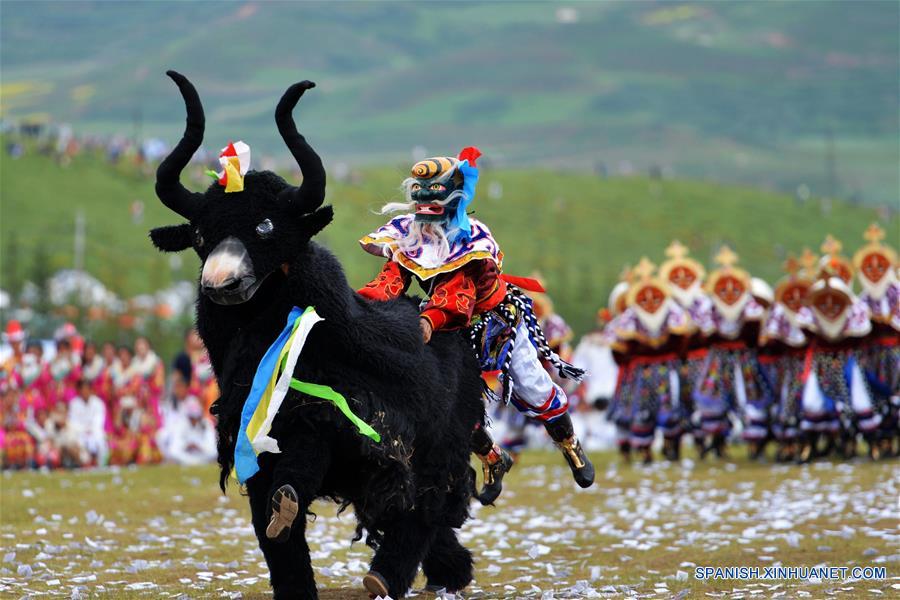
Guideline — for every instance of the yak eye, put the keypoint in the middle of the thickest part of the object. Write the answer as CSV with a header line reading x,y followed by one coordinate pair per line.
x,y
415,187
436,187
198,237
265,229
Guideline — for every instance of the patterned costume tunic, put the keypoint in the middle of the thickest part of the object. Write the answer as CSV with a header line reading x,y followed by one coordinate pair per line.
x,y
649,393
465,283
731,379
835,386
882,355
785,340
466,290
700,308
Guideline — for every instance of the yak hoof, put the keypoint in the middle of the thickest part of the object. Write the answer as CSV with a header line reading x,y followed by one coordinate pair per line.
x,y
284,510
375,585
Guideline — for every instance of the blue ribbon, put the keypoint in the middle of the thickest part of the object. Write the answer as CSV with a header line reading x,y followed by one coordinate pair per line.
x,y
245,461
460,220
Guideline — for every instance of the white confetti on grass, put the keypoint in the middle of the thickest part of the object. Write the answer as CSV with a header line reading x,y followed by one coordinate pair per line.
x,y
626,517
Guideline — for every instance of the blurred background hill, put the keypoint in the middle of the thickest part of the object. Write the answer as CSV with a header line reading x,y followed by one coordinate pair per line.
x,y
765,93
608,129
577,230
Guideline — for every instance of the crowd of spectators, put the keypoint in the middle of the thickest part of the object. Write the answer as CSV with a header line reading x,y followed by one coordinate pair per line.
x,y
73,403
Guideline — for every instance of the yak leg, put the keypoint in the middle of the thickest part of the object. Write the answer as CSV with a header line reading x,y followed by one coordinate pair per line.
x,y
397,559
302,465
448,565
290,571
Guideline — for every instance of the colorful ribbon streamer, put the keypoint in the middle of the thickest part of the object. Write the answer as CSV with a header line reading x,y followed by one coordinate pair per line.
x,y
270,385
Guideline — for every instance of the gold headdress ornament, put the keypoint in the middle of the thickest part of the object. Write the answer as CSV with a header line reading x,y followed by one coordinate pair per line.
x,y
799,279
678,257
791,266
833,263
808,262
726,258
641,278
432,167
874,234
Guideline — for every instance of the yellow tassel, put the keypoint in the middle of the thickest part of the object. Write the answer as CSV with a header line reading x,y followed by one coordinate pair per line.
x,y
234,181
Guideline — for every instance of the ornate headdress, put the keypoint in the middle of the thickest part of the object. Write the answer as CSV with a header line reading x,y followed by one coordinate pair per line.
x,y
875,262
832,300
833,263
456,176
729,286
727,259
791,291
648,294
684,275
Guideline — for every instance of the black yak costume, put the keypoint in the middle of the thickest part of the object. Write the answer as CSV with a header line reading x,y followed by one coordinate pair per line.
x,y
408,490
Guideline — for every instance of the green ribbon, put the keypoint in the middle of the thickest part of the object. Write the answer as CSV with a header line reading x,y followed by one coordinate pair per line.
x,y
326,393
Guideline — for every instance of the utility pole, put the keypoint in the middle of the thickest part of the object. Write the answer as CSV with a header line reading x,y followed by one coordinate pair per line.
x,y
137,124
830,164
79,240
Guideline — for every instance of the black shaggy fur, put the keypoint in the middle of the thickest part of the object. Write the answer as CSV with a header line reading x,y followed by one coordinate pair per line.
x,y
410,490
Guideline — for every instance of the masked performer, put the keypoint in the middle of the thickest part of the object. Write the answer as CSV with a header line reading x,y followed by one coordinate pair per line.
x,y
685,277
619,412
836,402
654,330
731,380
784,339
876,269
458,263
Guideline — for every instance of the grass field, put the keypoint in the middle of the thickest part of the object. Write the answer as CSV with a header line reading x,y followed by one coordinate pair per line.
x,y
576,228
167,531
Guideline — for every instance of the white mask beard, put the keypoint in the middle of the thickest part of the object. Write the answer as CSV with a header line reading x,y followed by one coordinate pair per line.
x,y
831,330
421,234
653,321
686,297
877,291
731,312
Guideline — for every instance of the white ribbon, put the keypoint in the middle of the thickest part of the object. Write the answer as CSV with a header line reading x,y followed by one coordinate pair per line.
x,y
262,442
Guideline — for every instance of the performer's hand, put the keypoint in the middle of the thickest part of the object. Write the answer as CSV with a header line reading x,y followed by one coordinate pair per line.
x,y
427,329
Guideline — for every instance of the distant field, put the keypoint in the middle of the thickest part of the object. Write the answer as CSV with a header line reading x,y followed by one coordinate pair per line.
x,y
165,531
742,92
577,229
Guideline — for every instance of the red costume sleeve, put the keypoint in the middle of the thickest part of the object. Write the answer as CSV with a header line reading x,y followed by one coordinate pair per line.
x,y
453,299
391,283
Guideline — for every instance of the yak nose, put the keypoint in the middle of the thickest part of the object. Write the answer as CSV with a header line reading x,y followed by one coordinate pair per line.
x,y
227,266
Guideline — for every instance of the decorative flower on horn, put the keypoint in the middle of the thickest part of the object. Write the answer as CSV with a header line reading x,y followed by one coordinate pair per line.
x,y
235,161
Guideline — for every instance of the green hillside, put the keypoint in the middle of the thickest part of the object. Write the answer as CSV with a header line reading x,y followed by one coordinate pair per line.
x,y
578,230
747,92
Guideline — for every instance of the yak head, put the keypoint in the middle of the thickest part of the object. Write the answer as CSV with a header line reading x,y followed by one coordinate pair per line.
x,y
242,237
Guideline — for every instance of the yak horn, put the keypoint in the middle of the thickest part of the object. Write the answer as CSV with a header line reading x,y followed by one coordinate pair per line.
x,y
168,186
311,193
